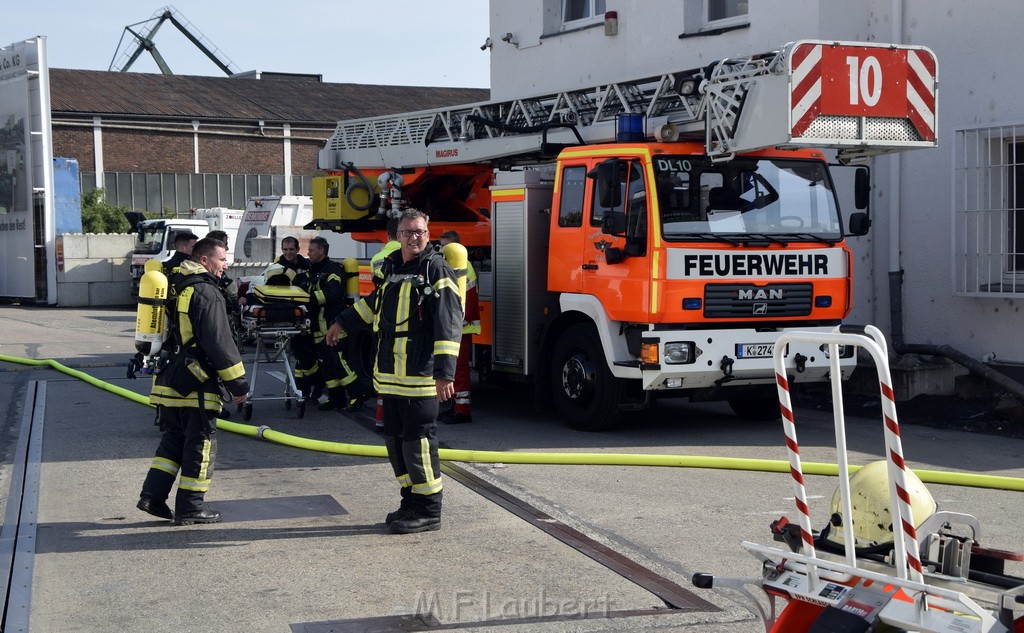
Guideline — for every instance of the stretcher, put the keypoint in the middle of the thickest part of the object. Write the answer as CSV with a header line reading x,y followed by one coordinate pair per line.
x,y
279,315
935,578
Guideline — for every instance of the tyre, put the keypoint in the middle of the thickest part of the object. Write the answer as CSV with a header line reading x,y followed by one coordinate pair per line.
x,y
762,409
585,392
288,404
301,410
247,411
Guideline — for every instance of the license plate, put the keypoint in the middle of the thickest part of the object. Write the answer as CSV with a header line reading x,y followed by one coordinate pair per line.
x,y
755,350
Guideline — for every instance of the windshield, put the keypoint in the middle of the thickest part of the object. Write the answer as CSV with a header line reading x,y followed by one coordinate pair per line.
x,y
760,197
150,241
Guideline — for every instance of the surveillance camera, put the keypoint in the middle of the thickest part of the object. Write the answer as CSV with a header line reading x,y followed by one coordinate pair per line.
x,y
487,44
507,37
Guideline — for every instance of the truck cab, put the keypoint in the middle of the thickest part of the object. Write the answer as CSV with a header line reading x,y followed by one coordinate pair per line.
x,y
155,239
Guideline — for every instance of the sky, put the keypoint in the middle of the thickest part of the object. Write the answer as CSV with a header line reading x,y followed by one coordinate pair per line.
x,y
398,42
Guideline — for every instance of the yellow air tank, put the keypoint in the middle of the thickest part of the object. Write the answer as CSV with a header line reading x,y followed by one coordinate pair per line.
x,y
351,266
149,321
458,258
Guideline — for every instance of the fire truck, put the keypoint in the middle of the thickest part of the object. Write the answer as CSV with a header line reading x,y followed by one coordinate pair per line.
x,y
652,237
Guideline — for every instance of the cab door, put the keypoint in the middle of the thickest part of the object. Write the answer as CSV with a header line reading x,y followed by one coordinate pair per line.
x,y
616,249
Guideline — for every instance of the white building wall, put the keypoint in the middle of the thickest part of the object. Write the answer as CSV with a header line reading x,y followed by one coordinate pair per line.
x,y
981,84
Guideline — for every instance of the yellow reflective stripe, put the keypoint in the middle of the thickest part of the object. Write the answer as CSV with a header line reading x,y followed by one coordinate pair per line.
x,y
444,282
428,488
404,480
402,313
472,327
334,383
184,324
170,398
319,294
450,348
193,484
165,465
235,371
432,484
406,391
364,311
302,373
204,466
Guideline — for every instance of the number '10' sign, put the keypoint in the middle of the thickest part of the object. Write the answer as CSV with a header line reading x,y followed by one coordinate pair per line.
x,y
863,81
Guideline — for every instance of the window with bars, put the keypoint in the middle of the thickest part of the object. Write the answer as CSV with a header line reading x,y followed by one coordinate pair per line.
x,y
988,212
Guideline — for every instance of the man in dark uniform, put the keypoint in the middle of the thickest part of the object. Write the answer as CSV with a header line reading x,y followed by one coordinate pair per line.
x,y
315,363
184,242
417,312
187,392
290,258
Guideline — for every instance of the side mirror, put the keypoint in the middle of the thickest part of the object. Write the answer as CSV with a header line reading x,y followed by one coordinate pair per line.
x,y
614,255
861,188
608,175
859,223
134,218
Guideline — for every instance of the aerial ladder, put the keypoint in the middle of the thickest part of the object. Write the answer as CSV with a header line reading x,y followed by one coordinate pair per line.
x,y
862,99
134,41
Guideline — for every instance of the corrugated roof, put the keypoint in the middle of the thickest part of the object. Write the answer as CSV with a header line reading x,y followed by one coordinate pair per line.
x,y
95,92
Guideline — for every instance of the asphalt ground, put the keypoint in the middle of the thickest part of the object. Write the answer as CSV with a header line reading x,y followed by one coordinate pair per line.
x,y
303,546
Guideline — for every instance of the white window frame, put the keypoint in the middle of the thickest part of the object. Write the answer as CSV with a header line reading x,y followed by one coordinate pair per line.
x,y
732,20
988,212
595,16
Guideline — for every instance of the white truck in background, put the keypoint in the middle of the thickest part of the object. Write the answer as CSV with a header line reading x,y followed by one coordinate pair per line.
x,y
155,238
269,219
254,234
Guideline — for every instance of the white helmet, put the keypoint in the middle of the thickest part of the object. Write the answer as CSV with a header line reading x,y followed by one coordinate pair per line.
x,y
870,503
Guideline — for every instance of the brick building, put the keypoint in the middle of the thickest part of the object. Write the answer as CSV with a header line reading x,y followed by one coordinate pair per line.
x,y
167,142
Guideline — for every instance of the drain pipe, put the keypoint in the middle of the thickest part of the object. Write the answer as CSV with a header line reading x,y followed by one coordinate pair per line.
x,y
900,346
896,268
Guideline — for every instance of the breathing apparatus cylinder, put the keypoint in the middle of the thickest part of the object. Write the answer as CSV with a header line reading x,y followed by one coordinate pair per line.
x,y
154,264
458,258
351,266
149,320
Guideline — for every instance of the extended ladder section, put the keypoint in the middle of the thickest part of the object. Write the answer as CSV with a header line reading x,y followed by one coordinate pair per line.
x,y
860,98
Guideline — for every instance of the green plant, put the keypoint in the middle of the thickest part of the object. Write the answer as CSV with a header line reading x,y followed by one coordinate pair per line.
x,y
99,216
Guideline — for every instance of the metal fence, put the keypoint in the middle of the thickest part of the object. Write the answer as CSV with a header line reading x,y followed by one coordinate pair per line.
x,y
176,194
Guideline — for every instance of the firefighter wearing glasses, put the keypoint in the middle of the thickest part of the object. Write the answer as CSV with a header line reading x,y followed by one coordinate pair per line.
x,y
417,312
202,355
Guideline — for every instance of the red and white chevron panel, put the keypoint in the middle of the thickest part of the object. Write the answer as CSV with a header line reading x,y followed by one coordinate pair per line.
x,y
862,81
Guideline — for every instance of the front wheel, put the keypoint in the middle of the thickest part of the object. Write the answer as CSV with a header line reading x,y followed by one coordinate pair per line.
x,y
763,409
585,392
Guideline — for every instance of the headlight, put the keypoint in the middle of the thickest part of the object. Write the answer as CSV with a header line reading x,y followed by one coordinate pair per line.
x,y
679,353
845,351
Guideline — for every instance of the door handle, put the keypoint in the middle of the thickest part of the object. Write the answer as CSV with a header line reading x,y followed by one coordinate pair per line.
x,y
589,266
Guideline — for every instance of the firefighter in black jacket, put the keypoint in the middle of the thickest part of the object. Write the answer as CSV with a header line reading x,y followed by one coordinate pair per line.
x,y
315,363
187,393
418,317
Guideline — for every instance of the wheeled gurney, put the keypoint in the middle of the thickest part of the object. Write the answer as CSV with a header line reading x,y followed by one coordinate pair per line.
x,y
278,315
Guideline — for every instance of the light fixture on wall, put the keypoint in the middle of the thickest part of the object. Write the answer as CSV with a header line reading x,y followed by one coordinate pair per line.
x,y
611,23
511,39
487,44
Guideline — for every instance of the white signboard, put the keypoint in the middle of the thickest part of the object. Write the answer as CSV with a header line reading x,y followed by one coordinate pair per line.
x,y
27,262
